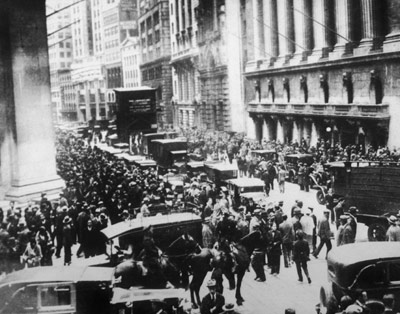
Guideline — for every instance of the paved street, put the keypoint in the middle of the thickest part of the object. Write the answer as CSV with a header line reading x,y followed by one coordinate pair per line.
x,y
283,291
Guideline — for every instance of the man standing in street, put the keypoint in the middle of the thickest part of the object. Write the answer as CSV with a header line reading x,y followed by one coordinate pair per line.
x,y
324,233
393,232
213,302
286,229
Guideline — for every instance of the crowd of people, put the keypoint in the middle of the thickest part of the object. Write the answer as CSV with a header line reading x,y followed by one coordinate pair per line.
x,y
102,190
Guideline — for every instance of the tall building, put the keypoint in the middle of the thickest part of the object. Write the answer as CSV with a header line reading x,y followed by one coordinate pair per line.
x,y
220,65
154,34
184,60
323,69
119,22
130,55
97,27
60,59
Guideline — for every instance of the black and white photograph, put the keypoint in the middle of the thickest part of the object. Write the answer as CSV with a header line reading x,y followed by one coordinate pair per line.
x,y
199,156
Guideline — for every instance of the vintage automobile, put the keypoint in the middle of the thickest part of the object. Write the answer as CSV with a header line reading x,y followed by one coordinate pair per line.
x,y
292,164
77,290
166,228
219,173
372,187
247,188
267,154
369,267
145,164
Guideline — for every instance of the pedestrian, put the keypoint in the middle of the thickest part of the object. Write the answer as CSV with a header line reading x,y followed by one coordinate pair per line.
x,y
393,232
258,258
307,224
286,229
281,178
301,255
207,233
314,236
301,176
275,249
324,233
340,230
213,302
32,254
67,239
339,210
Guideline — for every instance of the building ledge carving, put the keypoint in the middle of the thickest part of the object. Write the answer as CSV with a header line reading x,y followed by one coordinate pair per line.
x,y
376,112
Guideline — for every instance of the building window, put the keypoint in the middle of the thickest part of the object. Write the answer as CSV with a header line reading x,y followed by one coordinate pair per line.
x,y
156,18
157,36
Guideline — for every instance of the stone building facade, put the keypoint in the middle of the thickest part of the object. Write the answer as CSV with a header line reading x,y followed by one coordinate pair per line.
x,y
323,69
155,45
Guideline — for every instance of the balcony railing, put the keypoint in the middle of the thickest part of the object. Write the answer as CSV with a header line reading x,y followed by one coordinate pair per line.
x,y
344,110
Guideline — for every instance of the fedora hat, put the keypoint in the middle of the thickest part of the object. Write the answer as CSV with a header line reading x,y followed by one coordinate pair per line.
x,y
229,307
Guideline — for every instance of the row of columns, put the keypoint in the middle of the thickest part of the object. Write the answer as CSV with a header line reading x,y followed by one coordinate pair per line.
x,y
306,26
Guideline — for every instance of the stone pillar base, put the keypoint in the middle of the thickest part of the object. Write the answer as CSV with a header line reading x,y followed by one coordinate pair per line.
x,y
300,57
366,46
392,43
282,60
25,191
318,54
341,51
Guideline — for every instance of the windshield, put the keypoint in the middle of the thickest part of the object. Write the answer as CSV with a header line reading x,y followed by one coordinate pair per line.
x,y
252,189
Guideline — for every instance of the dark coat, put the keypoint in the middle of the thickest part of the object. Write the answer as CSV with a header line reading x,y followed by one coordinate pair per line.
x,y
207,304
274,242
301,251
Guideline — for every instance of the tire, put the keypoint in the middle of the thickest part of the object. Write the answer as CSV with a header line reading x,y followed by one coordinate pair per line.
x,y
377,232
320,198
327,300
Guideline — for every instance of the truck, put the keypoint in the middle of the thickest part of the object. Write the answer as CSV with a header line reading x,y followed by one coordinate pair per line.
x,y
136,112
371,186
168,152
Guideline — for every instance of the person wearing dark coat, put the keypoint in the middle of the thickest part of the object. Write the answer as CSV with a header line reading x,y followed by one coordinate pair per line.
x,y
89,239
275,250
68,240
301,255
213,302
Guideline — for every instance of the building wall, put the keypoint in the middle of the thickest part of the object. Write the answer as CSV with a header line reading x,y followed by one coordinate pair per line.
x,y
156,52
308,81
130,52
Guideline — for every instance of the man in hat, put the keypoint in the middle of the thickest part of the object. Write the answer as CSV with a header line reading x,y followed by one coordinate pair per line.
x,y
68,240
213,302
324,233
339,210
307,224
340,231
353,222
393,232
286,229
207,234
256,221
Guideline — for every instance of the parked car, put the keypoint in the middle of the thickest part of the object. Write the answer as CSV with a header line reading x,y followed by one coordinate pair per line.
x,y
371,267
247,188
77,290
292,164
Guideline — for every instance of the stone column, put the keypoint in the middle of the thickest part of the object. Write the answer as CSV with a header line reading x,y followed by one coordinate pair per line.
x,y
314,135
31,134
251,128
265,130
258,27
279,131
302,29
343,28
392,42
271,38
370,27
179,16
321,32
295,132
286,31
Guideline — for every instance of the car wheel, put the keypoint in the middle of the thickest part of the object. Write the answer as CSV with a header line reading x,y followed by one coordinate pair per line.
x,y
320,198
377,232
328,303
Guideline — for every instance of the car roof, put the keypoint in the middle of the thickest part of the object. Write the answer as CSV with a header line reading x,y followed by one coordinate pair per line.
x,y
169,140
222,166
246,182
299,155
58,274
262,151
364,251
138,224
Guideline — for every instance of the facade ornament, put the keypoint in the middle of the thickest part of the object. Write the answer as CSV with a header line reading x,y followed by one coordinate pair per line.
x,y
323,83
271,90
257,88
303,87
348,85
375,88
286,87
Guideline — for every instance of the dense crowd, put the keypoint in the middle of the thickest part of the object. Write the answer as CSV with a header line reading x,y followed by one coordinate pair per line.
x,y
102,190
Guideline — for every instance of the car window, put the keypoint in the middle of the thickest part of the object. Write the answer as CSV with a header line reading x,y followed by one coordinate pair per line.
x,y
394,272
370,276
55,296
23,301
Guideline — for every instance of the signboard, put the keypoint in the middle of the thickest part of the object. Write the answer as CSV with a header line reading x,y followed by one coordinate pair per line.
x,y
139,105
